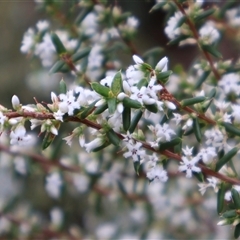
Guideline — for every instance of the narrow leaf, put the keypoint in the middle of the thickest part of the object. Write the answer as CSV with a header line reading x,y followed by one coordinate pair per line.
x,y
227,157
100,89
204,14
220,198
237,231
116,86
60,49
112,105
236,198
191,101
128,102
231,129
135,121
212,50
113,137
101,109
152,108
126,118
197,130
62,86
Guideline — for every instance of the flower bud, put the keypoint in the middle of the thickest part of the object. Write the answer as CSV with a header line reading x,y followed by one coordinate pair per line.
x,y
162,65
15,102
137,59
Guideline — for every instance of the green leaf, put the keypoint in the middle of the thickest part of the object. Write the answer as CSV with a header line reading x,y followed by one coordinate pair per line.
x,y
191,101
220,198
135,121
177,40
136,165
142,83
128,102
157,6
204,14
112,105
126,118
152,108
63,87
237,231
197,130
168,145
212,93
116,86
231,129
113,137
212,50
230,214
83,14
104,145
57,67
85,113
80,54
199,176
100,89
163,76
236,198
227,157
101,109
202,79
60,49
47,140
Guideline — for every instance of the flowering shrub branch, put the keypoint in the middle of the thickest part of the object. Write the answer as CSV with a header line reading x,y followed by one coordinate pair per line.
x,y
138,125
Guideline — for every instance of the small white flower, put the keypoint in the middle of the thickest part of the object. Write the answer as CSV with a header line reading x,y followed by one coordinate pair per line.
x,y
42,25
53,184
157,174
137,59
134,151
208,33
189,166
171,29
187,151
19,137
97,142
56,215
3,119
207,154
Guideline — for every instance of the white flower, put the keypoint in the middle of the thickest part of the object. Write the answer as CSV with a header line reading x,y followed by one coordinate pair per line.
x,y
188,124
3,119
157,174
134,74
19,137
134,151
56,215
164,132
214,137
233,17
42,25
177,118
187,151
207,154
20,165
97,142
28,41
53,184
236,113
189,166
208,33
80,182
68,103
171,29
212,182
46,51
230,83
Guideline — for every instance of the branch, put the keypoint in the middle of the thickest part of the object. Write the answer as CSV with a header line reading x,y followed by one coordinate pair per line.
x,y
196,36
97,126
